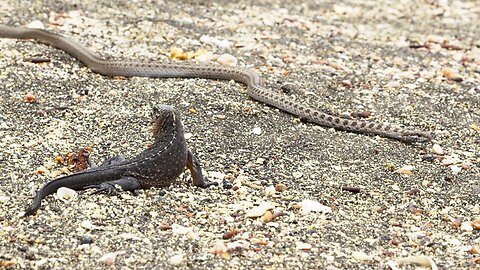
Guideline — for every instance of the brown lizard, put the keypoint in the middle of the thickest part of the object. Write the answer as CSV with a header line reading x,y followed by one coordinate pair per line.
x,y
157,166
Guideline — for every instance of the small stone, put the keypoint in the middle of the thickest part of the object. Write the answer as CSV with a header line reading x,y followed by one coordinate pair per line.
x,y
179,229
280,187
303,246
257,131
65,194
466,226
347,83
297,175
475,127
437,149
41,170
227,60
178,53
452,75
314,206
86,239
108,259
36,24
203,56
474,250
393,84
176,260
455,169
361,256
260,161
188,135
215,41
29,98
266,217
227,184
476,224
405,170
86,224
419,260
219,248
4,199
259,210
237,246
270,191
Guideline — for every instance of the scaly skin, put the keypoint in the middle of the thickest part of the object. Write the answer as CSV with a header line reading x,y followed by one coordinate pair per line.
x,y
157,166
183,70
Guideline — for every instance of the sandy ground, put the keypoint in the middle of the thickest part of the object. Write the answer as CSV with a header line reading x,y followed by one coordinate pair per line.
x,y
412,63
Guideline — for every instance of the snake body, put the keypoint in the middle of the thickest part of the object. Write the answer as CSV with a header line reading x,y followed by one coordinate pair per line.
x,y
248,77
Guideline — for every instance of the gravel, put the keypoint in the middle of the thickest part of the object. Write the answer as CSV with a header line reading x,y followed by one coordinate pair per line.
x,y
297,196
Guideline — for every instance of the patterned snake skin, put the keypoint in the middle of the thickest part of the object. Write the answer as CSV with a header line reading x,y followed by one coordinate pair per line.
x,y
191,70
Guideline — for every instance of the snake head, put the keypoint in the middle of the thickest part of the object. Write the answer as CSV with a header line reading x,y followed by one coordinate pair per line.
x,y
416,136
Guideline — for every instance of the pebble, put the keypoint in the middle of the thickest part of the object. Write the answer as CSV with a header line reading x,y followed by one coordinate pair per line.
x,y
266,217
86,224
219,248
419,260
86,239
222,43
347,83
176,260
30,98
227,184
259,210
227,60
437,149
4,199
303,246
230,234
361,256
257,131
65,194
314,206
36,24
280,187
108,259
269,191
405,170
466,226
452,75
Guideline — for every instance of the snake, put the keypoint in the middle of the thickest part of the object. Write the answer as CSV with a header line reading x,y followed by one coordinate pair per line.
x,y
248,77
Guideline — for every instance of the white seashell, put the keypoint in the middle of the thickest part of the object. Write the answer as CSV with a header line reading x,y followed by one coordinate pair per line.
x,y
361,256
204,57
455,169
303,246
86,224
420,260
269,191
4,199
314,206
36,24
437,149
176,260
257,131
219,248
227,60
108,259
466,226
65,194
179,229
242,244
259,210
222,43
